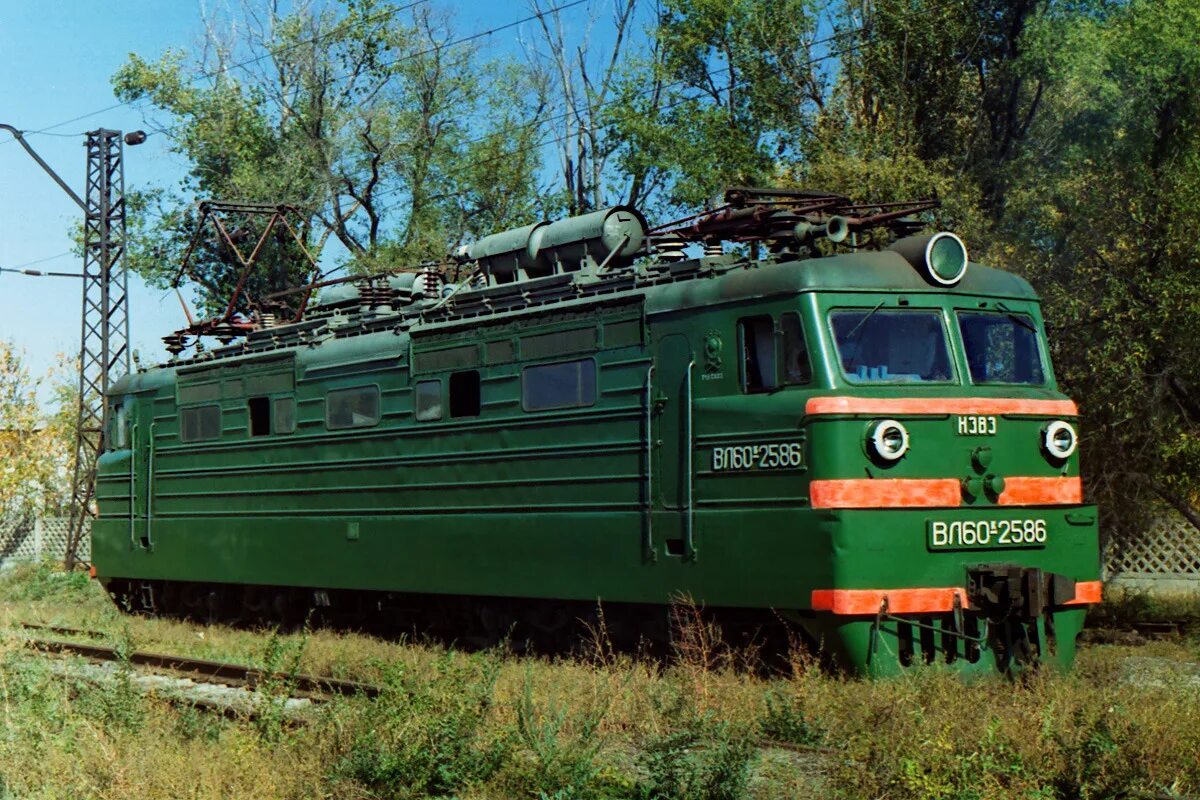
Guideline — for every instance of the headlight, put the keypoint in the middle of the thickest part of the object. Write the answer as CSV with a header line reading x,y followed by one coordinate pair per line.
x,y
1060,440
889,439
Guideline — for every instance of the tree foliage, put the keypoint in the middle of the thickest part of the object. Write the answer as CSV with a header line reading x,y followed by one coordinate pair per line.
x,y
35,447
375,124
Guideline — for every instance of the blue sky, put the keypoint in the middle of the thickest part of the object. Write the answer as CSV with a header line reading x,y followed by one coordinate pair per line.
x,y
57,58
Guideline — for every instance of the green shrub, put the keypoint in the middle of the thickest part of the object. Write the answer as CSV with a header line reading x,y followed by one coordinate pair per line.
x,y
426,734
563,743
785,720
46,581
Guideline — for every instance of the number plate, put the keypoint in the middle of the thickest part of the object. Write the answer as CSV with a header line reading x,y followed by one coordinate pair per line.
x,y
975,425
781,455
971,534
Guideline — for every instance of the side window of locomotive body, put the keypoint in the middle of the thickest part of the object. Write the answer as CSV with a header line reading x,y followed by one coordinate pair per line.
x,y
756,341
427,400
200,423
118,424
891,346
1002,348
567,384
795,367
352,408
465,400
283,414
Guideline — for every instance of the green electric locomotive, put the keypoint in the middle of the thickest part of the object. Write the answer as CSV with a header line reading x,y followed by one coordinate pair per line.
x,y
821,419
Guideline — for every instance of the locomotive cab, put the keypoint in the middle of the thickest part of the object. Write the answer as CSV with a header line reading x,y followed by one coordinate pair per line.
x,y
943,476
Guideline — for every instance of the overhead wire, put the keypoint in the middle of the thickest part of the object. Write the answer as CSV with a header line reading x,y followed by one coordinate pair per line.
x,y
344,26
666,107
437,47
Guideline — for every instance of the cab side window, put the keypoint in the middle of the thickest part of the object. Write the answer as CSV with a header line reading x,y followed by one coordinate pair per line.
x,y
352,408
756,338
796,367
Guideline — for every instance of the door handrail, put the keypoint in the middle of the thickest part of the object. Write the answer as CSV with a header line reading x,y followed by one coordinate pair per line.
x,y
150,488
689,545
133,436
648,541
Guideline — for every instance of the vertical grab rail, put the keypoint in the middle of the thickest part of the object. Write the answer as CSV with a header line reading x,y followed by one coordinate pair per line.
x,y
133,432
648,540
150,487
689,546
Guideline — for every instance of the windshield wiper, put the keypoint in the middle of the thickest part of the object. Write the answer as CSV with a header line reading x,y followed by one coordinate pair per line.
x,y
861,322
1017,318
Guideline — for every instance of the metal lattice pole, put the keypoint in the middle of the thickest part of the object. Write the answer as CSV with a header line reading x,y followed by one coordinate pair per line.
x,y
104,333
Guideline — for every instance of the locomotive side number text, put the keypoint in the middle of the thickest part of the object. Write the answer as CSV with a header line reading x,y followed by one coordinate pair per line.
x,y
967,534
976,425
784,455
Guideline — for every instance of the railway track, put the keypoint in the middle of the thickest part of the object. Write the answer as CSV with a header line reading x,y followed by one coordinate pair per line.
x,y
312,688
200,682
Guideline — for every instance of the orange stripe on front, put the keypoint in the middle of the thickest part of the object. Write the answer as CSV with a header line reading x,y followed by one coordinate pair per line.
x,y
1087,592
918,601
1041,491
885,493
900,601
888,406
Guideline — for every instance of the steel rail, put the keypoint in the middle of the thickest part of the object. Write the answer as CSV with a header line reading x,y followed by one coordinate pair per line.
x,y
225,672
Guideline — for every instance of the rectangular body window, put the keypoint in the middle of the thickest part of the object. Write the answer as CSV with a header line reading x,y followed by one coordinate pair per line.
x,y
623,334
464,394
427,400
283,412
466,355
352,408
1001,348
198,392
570,384
260,415
499,352
756,338
558,343
118,425
200,423
876,346
797,369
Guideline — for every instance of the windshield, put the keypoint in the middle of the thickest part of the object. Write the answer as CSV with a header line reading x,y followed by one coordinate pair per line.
x,y
892,346
1001,348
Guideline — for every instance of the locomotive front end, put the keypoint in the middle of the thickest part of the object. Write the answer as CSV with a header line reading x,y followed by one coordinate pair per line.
x,y
944,475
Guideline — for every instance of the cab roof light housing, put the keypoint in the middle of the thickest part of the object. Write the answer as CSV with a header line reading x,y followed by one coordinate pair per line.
x,y
941,258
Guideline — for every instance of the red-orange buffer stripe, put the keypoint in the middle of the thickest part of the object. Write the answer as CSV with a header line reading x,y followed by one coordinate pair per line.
x,y
918,601
885,493
899,406
1041,491
900,601
1087,592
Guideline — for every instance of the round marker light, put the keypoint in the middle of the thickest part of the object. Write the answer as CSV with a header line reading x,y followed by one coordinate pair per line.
x,y
889,439
946,258
942,257
1060,440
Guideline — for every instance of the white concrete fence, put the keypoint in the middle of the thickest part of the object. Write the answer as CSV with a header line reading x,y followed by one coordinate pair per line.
x,y
25,541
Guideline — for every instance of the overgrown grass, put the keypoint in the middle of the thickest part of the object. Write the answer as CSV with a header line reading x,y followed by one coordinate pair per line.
x,y
492,725
1126,606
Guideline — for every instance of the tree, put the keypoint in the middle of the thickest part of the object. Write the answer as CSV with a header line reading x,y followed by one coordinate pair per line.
x,y
371,123
35,448
1106,228
723,95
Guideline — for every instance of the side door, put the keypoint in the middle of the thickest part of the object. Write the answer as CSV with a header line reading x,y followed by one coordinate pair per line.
x,y
672,435
140,410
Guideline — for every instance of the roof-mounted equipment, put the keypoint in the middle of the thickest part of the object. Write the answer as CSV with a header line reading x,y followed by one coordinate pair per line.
x,y
940,258
605,239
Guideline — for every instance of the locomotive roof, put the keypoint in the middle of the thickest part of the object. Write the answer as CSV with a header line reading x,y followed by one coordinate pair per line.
x,y
696,283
